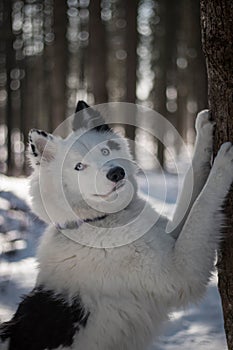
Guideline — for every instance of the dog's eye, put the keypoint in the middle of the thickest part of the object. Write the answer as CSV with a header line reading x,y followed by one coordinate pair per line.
x,y
105,151
79,166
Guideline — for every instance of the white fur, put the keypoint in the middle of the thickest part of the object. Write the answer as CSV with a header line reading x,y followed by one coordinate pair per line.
x,y
4,345
130,289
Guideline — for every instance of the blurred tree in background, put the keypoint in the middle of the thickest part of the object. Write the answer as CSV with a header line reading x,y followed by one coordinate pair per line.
x,y
53,53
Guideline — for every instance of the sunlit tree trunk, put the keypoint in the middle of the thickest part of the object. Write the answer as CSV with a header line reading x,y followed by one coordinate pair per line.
x,y
166,44
30,102
217,38
131,61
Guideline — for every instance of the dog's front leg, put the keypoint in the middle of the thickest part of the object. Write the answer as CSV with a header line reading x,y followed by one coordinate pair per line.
x,y
194,250
198,172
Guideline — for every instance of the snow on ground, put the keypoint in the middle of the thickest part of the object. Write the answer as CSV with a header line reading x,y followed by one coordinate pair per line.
x,y
198,327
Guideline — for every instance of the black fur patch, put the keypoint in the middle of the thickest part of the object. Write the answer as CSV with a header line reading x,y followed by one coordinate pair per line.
x,y
113,145
44,320
81,105
33,149
41,132
103,128
93,114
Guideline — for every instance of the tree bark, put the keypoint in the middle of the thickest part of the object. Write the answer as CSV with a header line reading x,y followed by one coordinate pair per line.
x,y
59,66
166,44
10,58
217,39
131,61
98,54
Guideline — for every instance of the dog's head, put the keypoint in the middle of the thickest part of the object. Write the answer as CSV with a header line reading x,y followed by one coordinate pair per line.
x,y
89,172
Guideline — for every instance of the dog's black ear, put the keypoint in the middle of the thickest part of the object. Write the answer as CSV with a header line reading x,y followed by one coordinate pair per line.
x,y
80,106
89,118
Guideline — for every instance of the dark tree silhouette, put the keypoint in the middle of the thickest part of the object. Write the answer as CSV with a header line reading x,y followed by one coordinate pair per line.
x,y
217,37
98,53
59,65
8,42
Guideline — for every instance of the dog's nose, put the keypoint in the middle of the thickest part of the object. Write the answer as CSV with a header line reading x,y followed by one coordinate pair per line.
x,y
116,174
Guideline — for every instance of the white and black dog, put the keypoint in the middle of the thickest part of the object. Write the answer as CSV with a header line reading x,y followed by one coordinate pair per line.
x,y
103,282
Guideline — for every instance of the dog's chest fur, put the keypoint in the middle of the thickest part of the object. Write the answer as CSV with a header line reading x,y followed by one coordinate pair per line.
x,y
68,266
114,284
74,267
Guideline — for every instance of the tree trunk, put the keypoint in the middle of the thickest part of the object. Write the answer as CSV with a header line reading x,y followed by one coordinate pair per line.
x,y
166,44
10,58
217,38
98,54
59,66
131,61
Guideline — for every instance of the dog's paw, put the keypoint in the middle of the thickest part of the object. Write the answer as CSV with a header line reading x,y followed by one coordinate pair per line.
x,y
204,126
204,141
223,164
224,158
